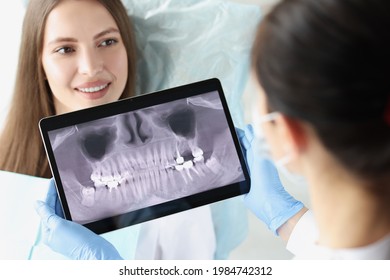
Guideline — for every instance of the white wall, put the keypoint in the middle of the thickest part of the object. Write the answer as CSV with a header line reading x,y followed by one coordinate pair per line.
x,y
11,17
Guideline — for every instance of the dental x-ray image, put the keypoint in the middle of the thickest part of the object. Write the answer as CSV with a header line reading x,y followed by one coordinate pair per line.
x,y
145,157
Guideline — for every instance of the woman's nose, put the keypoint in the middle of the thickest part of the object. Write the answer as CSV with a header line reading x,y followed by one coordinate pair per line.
x,y
90,62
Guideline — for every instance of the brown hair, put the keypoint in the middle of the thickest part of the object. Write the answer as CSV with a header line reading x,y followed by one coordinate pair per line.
x,y
21,146
326,62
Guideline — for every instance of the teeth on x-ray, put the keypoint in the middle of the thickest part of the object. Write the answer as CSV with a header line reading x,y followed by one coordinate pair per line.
x,y
197,152
198,159
188,164
179,167
179,160
213,164
130,161
88,196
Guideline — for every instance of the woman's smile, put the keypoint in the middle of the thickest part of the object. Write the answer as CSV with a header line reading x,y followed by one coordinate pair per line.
x,y
93,90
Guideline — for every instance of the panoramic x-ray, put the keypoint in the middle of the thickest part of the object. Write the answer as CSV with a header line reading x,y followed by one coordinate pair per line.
x,y
130,161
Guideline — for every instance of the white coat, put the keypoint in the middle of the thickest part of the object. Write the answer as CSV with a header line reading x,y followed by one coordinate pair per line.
x,y
302,244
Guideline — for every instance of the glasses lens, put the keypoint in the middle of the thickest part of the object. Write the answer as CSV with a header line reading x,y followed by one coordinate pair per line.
x,y
260,144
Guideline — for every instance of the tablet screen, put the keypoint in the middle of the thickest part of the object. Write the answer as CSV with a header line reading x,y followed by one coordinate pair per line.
x,y
153,159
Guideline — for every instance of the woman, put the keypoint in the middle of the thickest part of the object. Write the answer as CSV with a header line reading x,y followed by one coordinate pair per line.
x,y
324,106
75,55
20,141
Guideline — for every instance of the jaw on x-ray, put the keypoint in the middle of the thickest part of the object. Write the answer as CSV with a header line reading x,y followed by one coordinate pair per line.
x,y
145,157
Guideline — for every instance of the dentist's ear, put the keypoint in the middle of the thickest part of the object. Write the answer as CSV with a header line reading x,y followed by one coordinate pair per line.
x,y
293,134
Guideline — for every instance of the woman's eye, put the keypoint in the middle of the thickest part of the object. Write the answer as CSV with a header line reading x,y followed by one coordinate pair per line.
x,y
64,50
108,42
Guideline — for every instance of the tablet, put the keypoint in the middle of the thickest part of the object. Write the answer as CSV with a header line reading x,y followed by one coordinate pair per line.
x,y
145,157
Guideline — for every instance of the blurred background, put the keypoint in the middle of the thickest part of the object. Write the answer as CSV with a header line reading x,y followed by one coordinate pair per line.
x,y
260,242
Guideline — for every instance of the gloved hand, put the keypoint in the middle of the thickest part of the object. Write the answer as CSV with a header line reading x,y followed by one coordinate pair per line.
x,y
69,238
52,199
267,198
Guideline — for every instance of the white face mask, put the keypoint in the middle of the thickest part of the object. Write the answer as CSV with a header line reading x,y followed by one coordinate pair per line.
x,y
263,150
292,177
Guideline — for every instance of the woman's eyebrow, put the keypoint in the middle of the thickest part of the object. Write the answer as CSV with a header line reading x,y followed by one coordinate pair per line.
x,y
62,40
73,40
105,32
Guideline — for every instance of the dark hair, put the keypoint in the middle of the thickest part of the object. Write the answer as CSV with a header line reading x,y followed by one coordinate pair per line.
x,y
327,62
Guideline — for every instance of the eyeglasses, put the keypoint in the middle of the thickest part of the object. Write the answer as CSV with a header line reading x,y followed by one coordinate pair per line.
x,y
260,144
268,117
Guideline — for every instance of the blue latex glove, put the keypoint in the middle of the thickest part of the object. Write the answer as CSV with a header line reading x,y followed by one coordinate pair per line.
x,y
267,198
52,199
69,238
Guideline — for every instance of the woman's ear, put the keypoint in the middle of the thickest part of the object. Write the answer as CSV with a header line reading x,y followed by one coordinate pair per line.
x,y
294,135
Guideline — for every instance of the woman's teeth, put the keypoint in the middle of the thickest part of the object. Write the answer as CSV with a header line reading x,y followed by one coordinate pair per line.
x,y
93,89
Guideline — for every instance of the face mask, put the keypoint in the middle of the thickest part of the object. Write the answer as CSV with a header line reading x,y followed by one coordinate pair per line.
x,y
283,171
263,150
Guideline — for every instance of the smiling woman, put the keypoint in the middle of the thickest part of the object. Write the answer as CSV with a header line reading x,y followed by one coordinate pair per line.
x,y
70,59
85,59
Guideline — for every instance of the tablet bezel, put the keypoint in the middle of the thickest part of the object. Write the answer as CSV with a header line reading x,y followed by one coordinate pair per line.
x,y
135,103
